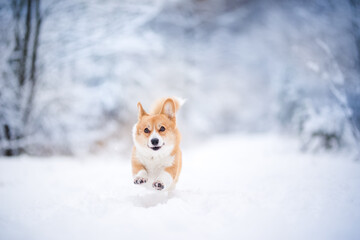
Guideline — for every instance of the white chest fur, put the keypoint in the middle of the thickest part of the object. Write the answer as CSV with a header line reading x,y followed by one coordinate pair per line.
x,y
155,164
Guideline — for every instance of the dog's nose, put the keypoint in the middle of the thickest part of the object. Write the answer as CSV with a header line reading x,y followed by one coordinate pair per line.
x,y
155,141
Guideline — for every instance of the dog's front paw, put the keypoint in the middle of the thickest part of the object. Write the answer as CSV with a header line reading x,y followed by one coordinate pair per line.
x,y
140,180
158,185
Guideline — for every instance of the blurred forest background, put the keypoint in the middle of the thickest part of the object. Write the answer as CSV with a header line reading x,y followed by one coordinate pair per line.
x,y
72,71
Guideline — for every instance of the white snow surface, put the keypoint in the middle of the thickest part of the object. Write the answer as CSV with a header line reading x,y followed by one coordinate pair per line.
x,y
231,187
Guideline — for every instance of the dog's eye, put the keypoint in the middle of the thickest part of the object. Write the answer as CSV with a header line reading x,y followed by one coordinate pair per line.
x,y
162,129
146,130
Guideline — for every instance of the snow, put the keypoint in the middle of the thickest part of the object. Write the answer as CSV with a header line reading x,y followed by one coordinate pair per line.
x,y
243,186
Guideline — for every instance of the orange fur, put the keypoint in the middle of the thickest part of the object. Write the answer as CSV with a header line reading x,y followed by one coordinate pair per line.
x,y
157,106
136,165
175,169
162,114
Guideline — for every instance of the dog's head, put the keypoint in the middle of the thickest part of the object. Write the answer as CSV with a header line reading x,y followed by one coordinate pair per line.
x,y
156,132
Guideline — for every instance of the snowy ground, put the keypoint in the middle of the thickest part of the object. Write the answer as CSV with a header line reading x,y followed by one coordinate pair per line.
x,y
249,187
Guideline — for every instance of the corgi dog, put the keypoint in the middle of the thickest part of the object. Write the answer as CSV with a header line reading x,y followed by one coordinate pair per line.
x,y
156,155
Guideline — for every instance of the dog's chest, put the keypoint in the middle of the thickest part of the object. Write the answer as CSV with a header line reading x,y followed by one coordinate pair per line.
x,y
155,164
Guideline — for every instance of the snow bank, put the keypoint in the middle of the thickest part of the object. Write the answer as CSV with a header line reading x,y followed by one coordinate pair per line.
x,y
251,187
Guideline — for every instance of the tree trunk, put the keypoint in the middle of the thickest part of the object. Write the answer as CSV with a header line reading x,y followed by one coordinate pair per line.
x,y
33,77
23,62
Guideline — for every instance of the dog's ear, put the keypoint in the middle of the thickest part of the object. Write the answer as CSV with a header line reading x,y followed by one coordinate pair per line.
x,y
141,111
168,108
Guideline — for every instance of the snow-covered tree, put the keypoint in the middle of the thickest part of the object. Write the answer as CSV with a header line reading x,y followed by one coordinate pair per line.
x,y
19,73
289,66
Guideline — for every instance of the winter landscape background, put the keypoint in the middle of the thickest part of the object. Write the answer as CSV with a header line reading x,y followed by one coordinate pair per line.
x,y
272,89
